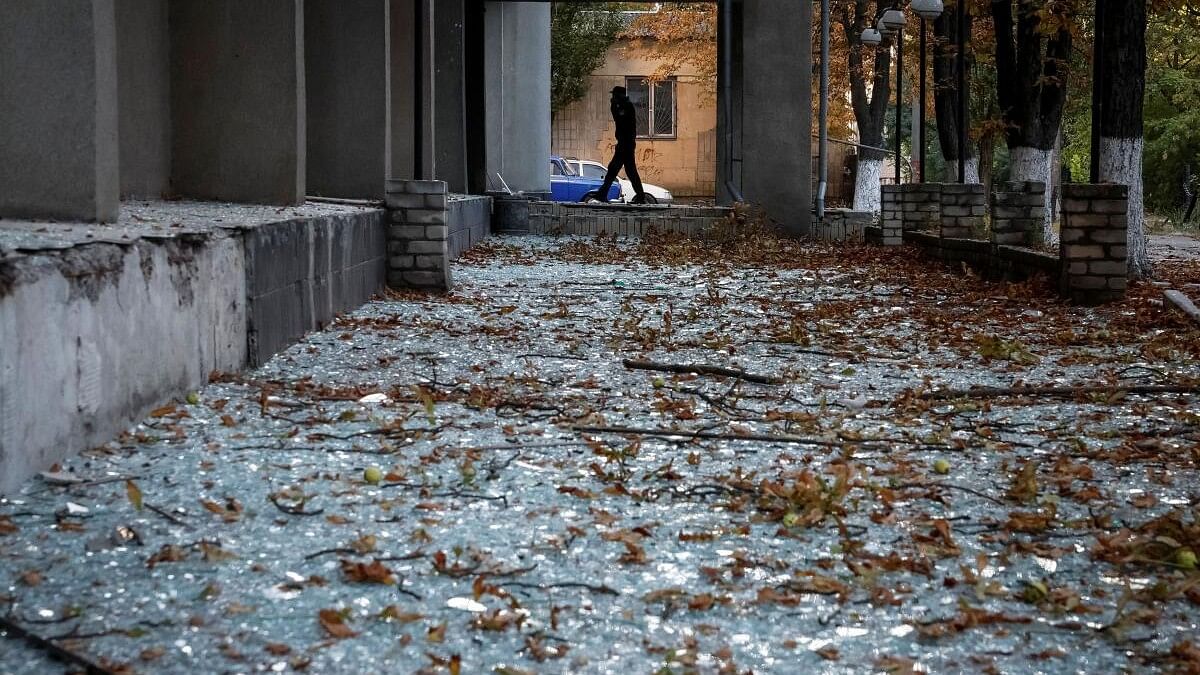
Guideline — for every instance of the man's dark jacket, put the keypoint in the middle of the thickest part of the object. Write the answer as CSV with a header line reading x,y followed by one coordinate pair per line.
x,y
626,119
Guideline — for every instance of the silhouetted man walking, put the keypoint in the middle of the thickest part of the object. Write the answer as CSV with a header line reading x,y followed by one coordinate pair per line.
x,y
625,118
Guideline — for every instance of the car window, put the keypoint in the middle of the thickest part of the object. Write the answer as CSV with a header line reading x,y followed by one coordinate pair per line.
x,y
555,169
594,171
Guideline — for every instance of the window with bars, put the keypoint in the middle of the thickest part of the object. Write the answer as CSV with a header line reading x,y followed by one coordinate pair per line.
x,y
655,106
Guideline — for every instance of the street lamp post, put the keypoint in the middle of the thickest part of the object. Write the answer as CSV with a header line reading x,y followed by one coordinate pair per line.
x,y
961,58
891,22
928,10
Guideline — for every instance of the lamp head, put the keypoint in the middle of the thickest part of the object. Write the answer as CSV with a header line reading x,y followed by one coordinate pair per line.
x,y
894,19
927,9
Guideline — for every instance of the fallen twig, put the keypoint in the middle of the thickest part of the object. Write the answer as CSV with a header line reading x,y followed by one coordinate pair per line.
x,y
167,515
700,369
340,550
998,392
667,433
89,666
606,590
950,486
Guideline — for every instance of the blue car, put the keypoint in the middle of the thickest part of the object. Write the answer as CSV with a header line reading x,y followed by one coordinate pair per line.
x,y
568,186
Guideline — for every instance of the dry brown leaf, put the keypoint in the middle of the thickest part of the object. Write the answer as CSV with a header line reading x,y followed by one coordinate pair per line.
x,y
373,572
334,623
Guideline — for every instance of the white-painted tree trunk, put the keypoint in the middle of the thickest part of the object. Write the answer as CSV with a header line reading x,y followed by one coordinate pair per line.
x,y
1033,164
866,186
972,172
1121,162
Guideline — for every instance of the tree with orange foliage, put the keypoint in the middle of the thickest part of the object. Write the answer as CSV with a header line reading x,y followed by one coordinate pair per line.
x,y
869,103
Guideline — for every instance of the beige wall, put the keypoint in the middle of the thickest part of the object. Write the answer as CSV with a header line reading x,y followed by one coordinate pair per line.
x,y
685,165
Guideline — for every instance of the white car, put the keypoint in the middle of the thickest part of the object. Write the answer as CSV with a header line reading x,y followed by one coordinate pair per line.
x,y
589,169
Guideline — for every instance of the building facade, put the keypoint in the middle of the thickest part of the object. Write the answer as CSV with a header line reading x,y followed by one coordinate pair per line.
x,y
677,122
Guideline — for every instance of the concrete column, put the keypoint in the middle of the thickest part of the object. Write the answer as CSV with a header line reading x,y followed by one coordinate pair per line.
x,y
517,40
237,100
348,92
144,93
449,72
776,116
412,94
59,155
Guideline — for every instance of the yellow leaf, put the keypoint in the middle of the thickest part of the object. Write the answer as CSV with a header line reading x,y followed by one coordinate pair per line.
x,y
134,493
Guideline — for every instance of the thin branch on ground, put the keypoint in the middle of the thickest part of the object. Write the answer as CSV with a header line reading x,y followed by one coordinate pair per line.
x,y
90,667
701,369
1000,392
595,588
669,433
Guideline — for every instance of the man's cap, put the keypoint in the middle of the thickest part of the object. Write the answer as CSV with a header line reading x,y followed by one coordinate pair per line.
x,y
619,90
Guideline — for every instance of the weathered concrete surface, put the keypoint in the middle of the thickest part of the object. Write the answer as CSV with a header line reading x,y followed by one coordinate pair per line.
x,y
517,38
144,97
776,110
238,100
347,73
99,324
58,110
97,335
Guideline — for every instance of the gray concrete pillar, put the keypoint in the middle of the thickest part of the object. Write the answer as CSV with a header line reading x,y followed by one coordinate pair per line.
x,y
412,89
449,72
237,100
517,40
775,113
144,94
59,155
347,73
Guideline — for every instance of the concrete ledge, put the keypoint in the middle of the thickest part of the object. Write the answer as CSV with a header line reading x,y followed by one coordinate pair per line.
x,y
100,324
468,220
1013,263
625,220
841,225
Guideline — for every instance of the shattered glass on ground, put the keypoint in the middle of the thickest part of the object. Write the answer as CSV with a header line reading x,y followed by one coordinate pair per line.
x,y
477,482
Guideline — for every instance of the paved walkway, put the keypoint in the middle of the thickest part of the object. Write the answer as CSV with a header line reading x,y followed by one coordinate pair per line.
x,y
429,482
1175,247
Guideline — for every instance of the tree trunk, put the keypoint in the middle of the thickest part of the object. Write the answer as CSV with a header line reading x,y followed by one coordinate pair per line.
x,y
971,174
869,111
987,153
1122,90
1031,87
945,93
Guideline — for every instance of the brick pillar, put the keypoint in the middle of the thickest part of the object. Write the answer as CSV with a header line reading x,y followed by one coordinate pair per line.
x,y
1017,212
891,217
418,256
922,205
1093,252
963,209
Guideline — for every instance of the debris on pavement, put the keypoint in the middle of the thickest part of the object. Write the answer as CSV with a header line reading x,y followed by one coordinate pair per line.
x,y
657,456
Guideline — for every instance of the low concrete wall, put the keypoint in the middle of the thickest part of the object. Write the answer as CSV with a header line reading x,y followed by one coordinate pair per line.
x,y
622,220
468,222
303,272
100,325
841,225
987,258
